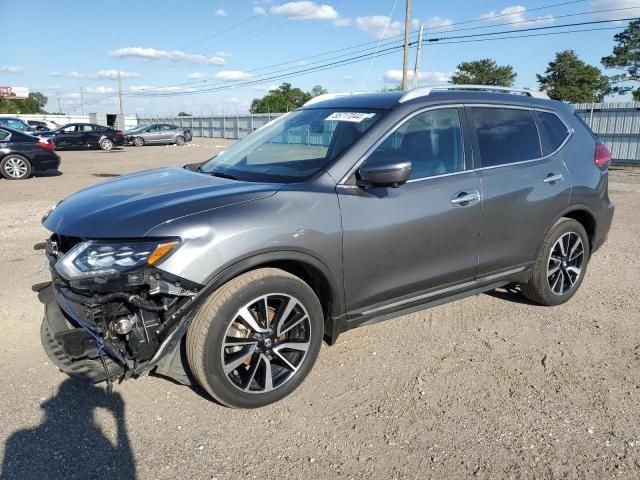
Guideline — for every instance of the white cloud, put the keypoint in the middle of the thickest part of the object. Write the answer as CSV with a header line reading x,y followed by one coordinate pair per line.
x,y
221,12
342,22
156,89
376,25
55,74
198,75
76,74
305,10
232,100
11,68
100,90
596,5
232,75
170,55
113,74
259,11
516,14
347,78
438,22
396,76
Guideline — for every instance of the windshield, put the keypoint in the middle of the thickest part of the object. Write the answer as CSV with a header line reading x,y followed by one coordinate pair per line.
x,y
293,147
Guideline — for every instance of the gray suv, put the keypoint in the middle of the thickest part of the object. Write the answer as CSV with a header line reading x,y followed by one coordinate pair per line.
x,y
350,210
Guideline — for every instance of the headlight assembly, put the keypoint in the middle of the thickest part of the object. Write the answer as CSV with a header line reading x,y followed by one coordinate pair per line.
x,y
94,258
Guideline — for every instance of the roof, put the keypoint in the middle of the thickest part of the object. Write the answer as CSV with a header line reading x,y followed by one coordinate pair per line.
x,y
389,100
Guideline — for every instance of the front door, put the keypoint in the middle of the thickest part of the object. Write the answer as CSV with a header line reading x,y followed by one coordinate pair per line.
x,y
524,187
68,137
402,243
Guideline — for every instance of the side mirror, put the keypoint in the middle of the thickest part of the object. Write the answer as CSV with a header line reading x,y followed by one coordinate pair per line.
x,y
384,173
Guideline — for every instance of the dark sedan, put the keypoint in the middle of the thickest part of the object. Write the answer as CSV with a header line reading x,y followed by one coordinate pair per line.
x,y
85,136
22,155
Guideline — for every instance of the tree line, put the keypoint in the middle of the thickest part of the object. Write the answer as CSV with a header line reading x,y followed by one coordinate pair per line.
x,y
567,77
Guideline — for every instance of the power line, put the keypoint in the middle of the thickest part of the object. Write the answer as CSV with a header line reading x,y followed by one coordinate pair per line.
x,y
365,56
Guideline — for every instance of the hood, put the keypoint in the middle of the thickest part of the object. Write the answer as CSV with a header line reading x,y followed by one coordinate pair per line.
x,y
131,205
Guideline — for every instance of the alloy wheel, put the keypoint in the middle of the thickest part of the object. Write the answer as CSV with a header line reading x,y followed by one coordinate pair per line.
x,y
266,343
106,145
565,263
16,167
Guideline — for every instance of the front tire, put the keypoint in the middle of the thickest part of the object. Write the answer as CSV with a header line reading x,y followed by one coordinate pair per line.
x,y
106,145
15,167
138,142
561,264
256,338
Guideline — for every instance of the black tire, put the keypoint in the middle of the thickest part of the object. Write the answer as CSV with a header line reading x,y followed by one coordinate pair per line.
x,y
180,140
106,144
15,167
138,142
548,289
220,313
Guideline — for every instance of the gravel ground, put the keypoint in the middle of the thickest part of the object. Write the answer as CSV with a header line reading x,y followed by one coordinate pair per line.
x,y
487,387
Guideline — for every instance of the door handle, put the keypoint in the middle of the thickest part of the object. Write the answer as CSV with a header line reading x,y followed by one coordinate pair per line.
x,y
553,178
464,199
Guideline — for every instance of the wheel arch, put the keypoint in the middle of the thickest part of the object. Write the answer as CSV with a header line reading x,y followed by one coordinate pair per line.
x,y
308,268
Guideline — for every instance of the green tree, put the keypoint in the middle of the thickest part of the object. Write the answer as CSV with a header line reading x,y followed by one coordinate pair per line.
x,y
484,72
570,79
626,56
33,104
318,90
184,114
282,99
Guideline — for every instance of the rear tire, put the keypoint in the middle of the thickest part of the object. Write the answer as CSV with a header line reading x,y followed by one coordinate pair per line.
x,y
180,140
561,264
256,338
106,144
15,167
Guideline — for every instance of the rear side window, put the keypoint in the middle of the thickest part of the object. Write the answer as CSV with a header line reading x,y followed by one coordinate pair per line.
x,y
3,135
556,130
505,135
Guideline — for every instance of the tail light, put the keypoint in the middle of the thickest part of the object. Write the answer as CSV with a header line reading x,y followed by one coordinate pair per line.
x,y
118,133
602,156
46,144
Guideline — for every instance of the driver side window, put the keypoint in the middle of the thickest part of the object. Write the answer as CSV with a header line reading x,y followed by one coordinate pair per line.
x,y
69,129
431,141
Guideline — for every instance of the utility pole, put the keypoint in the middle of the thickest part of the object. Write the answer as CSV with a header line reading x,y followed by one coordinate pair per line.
x,y
120,93
59,106
407,26
416,69
82,100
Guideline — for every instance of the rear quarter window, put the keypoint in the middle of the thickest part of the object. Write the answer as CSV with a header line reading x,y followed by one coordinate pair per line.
x,y
557,131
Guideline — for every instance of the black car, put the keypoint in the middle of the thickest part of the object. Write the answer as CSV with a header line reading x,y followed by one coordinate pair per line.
x,y
85,136
21,154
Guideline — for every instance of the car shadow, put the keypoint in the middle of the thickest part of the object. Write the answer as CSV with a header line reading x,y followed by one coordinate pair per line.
x,y
48,173
69,443
510,293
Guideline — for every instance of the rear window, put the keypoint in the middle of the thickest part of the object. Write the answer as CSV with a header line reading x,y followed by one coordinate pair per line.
x,y
557,131
505,135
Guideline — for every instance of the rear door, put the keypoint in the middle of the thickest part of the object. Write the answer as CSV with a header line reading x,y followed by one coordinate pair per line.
x,y
524,186
167,133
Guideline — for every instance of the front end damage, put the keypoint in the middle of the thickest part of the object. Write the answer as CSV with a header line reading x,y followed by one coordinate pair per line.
x,y
115,323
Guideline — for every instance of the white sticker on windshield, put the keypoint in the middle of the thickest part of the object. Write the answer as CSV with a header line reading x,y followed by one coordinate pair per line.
x,y
349,116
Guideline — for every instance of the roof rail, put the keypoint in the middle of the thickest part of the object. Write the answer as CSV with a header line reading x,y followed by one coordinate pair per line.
x,y
330,96
424,91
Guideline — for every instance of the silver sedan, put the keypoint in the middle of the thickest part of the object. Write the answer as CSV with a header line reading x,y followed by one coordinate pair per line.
x,y
158,133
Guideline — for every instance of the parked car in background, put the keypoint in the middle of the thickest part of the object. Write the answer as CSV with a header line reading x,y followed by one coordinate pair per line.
x,y
85,136
41,126
22,155
158,133
16,123
237,269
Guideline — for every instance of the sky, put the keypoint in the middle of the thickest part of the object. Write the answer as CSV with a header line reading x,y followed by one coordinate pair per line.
x,y
168,51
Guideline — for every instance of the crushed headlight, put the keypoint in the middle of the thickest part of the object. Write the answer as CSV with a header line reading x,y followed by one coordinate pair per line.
x,y
93,258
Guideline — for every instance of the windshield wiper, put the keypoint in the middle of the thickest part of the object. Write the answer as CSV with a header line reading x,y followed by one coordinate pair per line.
x,y
220,175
